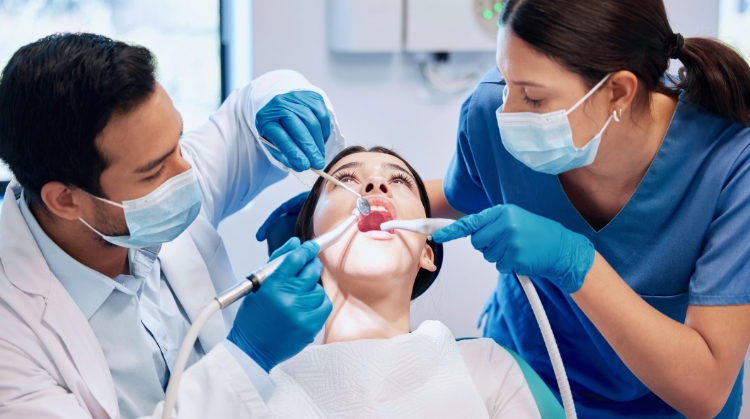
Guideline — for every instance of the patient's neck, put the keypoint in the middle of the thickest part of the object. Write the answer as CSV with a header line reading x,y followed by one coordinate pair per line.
x,y
358,314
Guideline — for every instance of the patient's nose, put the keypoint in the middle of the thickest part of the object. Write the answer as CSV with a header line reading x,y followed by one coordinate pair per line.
x,y
373,186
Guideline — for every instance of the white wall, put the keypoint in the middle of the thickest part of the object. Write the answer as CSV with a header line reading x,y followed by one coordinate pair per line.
x,y
379,99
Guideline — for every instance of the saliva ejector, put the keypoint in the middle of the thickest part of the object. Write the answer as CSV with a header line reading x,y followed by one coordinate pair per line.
x,y
428,227
253,282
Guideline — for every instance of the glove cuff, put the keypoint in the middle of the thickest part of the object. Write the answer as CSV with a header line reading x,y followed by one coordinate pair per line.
x,y
575,261
238,338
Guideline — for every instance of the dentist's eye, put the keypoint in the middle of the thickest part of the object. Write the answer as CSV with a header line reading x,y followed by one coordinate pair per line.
x,y
401,179
532,102
344,177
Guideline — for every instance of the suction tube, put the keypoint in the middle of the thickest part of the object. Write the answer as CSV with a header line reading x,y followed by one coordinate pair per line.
x,y
253,282
549,341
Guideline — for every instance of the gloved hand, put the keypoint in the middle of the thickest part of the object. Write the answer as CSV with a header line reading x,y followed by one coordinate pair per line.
x,y
299,125
526,244
279,226
284,315
290,207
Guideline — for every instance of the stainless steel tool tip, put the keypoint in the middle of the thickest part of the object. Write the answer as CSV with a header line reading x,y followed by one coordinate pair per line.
x,y
363,205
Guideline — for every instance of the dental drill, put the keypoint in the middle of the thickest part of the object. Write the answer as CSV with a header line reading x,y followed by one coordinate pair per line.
x,y
253,282
428,227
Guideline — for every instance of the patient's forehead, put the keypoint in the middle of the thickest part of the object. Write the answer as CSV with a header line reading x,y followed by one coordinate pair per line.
x,y
370,160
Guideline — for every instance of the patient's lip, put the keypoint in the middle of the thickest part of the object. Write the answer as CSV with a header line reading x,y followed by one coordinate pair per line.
x,y
382,210
380,235
377,201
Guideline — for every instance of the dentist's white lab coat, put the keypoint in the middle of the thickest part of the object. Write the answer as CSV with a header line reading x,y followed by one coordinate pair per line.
x,y
51,364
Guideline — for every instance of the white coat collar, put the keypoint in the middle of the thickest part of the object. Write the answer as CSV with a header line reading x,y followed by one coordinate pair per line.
x,y
27,270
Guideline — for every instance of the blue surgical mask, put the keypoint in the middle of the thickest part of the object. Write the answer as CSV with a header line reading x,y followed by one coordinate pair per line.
x,y
160,216
544,142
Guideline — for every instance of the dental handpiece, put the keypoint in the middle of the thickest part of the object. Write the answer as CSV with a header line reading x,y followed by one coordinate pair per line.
x,y
363,205
426,226
258,276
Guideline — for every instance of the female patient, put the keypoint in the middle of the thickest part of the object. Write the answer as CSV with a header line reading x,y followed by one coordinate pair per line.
x,y
370,363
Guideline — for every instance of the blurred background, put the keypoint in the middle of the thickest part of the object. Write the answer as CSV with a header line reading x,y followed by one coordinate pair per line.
x,y
396,71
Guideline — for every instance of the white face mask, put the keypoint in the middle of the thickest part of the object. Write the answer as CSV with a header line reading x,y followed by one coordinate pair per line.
x,y
544,142
160,216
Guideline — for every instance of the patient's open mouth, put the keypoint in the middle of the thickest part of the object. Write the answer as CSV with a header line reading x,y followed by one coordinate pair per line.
x,y
381,210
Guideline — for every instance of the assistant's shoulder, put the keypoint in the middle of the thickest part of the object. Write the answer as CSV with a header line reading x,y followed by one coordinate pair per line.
x,y
488,95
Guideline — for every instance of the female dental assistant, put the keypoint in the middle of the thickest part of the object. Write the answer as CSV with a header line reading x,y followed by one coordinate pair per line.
x,y
626,201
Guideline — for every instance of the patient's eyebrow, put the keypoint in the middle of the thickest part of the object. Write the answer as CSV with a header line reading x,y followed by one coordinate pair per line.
x,y
393,166
348,165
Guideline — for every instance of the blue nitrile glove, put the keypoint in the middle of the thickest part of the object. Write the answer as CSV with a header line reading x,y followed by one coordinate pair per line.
x,y
526,244
299,125
291,207
284,315
279,226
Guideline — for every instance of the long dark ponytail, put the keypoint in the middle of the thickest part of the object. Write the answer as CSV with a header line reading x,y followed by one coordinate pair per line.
x,y
596,37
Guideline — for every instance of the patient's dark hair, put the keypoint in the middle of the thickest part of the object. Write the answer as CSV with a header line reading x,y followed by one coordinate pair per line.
x,y
304,227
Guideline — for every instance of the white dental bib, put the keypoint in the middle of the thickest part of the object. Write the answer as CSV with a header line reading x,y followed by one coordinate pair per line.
x,y
419,375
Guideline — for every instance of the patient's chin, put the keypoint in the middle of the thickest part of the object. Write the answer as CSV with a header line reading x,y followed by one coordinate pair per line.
x,y
377,261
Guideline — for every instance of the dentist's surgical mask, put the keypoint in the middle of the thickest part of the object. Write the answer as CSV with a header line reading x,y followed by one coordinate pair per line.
x,y
160,216
544,142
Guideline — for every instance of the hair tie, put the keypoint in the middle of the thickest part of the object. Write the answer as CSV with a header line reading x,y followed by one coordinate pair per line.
x,y
677,42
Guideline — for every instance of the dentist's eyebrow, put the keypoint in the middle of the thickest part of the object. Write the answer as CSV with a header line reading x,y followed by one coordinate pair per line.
x,y
354,164
152,164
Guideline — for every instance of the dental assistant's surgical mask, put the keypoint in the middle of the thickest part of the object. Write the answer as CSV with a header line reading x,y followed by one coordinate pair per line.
x,y
160,216
544,142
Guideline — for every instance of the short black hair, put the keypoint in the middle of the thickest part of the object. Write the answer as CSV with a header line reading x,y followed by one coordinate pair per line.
x,y
304,228
56,95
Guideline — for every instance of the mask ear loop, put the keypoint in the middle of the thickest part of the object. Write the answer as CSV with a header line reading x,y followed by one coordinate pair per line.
x,y
588,95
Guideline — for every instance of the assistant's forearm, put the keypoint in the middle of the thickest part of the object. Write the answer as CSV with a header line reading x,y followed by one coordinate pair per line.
x,y
438,204
672,359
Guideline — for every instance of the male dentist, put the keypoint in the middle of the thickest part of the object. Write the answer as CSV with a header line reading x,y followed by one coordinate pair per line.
x,y
108,241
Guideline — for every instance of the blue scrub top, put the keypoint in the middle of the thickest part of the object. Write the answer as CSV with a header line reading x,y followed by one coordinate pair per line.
x,y
681,239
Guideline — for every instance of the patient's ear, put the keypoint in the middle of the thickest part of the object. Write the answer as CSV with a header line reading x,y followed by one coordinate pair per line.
x,y
427,260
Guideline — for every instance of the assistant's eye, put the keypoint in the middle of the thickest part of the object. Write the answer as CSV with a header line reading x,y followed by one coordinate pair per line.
x,y
532,102
155,175
401,179
344,176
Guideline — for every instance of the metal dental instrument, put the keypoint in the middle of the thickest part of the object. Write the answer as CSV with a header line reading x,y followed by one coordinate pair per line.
x,y
362,204
258,276
253,282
